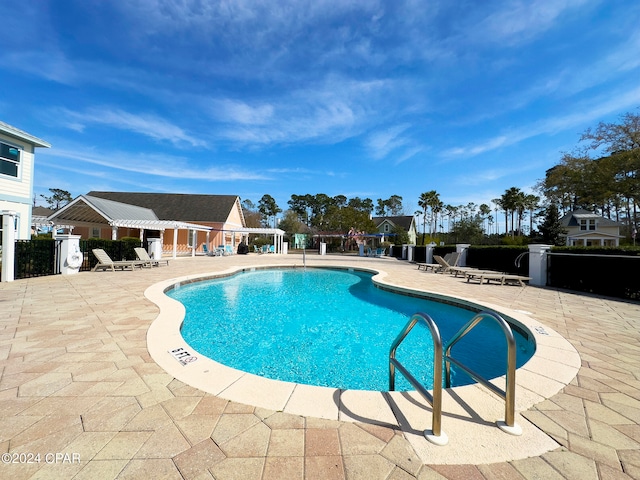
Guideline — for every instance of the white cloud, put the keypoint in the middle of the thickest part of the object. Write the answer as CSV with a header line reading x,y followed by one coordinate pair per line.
x,y
152,165
518,21
582,116
147,125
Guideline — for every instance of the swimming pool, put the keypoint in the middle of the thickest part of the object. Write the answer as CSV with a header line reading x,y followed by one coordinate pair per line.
x,y
327,327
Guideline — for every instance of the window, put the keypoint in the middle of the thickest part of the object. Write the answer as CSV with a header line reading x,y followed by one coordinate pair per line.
x,y
9,160
588,224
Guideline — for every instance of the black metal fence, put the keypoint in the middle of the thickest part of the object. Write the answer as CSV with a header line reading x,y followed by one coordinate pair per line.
x,y
36,258
612,275
513,260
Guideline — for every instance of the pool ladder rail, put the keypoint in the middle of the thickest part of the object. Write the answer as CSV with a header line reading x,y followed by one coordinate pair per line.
x,y
436,435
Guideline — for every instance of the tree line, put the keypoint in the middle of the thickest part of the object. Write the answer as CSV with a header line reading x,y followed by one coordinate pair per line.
x,y
608,185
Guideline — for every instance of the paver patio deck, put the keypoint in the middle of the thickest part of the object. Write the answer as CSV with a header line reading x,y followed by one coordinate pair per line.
x,y
77,380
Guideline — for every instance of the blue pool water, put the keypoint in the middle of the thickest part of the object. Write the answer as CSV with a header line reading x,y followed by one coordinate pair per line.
x,y
330,328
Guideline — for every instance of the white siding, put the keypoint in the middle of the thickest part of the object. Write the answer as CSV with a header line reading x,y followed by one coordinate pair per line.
x,y
18,187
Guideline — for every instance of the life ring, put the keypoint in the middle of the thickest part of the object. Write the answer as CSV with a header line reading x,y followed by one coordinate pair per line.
x,y
74,260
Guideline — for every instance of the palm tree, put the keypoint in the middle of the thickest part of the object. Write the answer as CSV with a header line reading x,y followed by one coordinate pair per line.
x,y
423,202
485,210
429,200
497,202
509,202
531,203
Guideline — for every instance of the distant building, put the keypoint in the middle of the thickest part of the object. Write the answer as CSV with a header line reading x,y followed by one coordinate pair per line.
x,y
17,149
387,225
587,229
183,220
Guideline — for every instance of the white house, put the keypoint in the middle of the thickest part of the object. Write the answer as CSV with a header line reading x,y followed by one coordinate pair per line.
x,y
387,225
17,150
585,228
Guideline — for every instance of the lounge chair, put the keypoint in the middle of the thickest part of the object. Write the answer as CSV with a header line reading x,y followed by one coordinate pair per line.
x,y
105,262
464,271
256,249
143,256
210,253
380,252
503,278
443,264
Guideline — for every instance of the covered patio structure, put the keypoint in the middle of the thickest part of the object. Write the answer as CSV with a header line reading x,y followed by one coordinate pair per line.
x,y
91,215
278,236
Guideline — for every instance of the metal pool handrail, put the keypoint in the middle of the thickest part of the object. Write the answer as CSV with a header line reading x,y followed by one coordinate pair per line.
x,y
437,436
508,395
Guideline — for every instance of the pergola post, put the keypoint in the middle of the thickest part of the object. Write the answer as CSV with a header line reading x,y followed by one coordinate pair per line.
x,y
175,241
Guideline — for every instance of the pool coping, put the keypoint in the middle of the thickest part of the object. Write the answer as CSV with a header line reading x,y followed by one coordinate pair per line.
x,y
469,412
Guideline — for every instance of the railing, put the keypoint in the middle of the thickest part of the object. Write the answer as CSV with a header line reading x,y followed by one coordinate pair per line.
x,y
508,394
36,258
437,436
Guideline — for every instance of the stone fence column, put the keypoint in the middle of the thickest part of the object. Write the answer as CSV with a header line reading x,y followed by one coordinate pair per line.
x,y
71,258
8,244
462,249
538,264
428,258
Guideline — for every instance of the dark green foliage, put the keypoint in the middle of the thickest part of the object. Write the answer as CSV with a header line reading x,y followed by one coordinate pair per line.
x,y
551,229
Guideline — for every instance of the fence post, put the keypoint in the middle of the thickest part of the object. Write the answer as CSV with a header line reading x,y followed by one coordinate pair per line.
x,y
428,254
538,264
462,249
70,257
8,245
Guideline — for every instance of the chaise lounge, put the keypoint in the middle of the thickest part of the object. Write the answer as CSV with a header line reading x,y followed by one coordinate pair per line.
x,y
503,278
442,265
143,256
105,262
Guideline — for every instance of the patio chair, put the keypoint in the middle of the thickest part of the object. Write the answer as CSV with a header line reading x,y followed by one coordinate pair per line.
x,y
105,262
380,252
210,253
143,256
435,267
503,278
446,265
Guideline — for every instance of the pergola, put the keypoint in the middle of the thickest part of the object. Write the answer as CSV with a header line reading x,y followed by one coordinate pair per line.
x,y
89,211
278,235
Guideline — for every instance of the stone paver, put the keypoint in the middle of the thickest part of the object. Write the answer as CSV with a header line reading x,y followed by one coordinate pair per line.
x,y
76,380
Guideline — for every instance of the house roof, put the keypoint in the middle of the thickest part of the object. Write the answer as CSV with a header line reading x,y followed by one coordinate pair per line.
x,y
403,221
22,135
177,206
572,219
41,211
89,210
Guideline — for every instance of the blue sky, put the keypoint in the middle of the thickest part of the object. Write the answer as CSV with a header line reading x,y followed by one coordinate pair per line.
x,y
353,97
